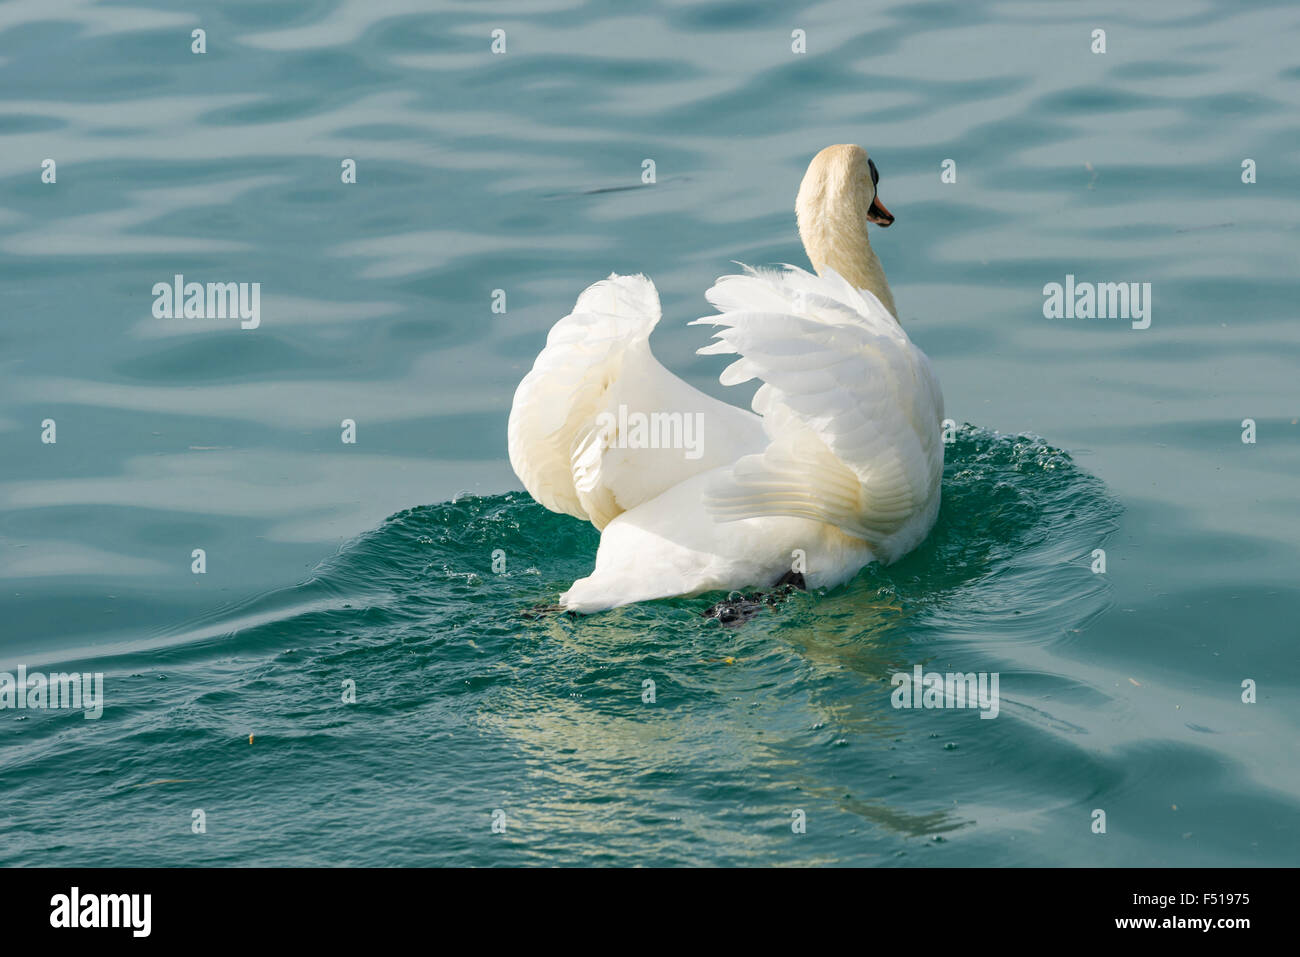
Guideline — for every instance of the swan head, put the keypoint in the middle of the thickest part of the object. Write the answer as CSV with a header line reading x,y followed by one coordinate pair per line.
x,y
837,199
841,181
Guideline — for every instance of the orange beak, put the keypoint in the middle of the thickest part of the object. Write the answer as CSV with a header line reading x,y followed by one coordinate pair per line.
x,y
878,214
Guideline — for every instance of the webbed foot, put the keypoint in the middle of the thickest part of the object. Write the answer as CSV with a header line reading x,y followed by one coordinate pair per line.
x,y
737,610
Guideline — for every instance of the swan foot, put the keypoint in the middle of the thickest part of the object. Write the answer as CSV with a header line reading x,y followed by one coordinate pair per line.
x,y
790,580
738,610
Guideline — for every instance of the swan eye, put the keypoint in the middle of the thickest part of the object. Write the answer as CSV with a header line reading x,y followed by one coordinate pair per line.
x,y
875,173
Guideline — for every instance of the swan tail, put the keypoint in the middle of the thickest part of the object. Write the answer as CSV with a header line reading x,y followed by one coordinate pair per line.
x,y
850,407
555,436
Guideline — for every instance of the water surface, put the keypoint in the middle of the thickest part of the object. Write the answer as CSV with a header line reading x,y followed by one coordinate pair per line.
x,y
372,562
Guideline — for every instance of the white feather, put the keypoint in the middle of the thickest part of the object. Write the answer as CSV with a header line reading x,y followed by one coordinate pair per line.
x,y
838,465
850,406
597,359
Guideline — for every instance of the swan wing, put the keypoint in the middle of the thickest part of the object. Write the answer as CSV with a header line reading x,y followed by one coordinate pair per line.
x,y
850,407
565,430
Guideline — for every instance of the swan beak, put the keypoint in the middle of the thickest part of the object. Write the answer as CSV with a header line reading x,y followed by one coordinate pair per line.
x,y
878,214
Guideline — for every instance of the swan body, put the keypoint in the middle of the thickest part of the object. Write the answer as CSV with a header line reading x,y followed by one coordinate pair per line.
x,y
838,464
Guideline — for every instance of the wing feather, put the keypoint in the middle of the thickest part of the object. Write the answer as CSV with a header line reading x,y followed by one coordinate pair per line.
x,y
850,406
597,361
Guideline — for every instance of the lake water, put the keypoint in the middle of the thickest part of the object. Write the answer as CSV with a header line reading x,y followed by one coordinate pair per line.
x,y
372,563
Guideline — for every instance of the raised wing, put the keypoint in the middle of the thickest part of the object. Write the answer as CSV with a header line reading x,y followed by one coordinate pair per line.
x,y
850,406
568,435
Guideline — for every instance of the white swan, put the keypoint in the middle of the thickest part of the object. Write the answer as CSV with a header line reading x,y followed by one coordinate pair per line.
x,y
838,465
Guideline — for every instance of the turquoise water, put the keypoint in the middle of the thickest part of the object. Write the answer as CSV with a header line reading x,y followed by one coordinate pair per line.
x,y
373,563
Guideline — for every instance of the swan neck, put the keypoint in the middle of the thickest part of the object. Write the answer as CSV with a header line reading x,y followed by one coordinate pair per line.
x,y
849,253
